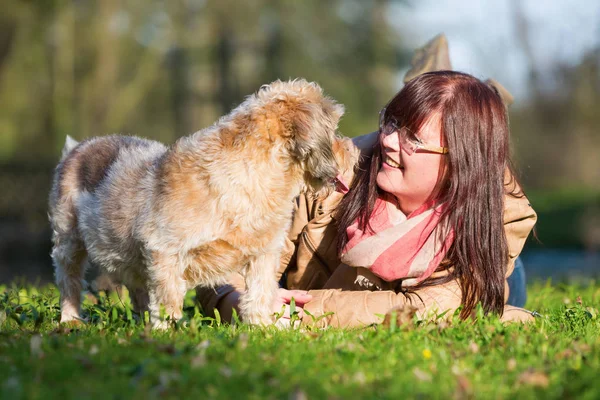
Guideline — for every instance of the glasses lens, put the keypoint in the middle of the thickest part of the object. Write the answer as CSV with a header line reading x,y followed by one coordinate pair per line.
x,y
389,127
408,145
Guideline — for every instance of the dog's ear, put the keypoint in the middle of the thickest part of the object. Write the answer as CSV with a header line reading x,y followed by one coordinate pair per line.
x,y
70,144
313,132
307,121
305,125
311,121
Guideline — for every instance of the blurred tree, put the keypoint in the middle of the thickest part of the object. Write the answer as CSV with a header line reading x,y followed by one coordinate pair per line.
x,y
164,69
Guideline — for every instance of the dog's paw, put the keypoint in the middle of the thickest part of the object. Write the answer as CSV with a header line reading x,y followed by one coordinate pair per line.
x,y
258,319
286,323
72,323
71,318
160,324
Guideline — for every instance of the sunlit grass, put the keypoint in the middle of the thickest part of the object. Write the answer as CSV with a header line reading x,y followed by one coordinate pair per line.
x,y
115,355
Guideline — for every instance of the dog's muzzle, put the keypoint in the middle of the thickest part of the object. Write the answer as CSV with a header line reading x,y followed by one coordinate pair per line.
x,y
340,185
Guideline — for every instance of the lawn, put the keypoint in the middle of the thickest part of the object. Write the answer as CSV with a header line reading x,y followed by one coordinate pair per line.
x,y
116,356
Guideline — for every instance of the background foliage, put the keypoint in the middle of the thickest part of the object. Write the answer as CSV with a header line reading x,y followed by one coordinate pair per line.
x,y
163,69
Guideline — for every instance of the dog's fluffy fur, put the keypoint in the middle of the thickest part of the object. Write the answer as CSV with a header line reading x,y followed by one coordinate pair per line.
x,y
164,220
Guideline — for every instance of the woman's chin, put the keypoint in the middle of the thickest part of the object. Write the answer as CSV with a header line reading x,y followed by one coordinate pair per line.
x,y
389,181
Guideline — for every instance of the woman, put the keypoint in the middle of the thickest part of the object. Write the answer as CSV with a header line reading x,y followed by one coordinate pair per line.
x,y
433,218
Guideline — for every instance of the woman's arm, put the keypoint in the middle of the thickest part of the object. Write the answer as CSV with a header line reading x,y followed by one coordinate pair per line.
x,y
356,308
519,219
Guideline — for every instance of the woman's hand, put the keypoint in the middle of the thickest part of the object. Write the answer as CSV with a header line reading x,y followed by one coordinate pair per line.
x,y
283,299
281,303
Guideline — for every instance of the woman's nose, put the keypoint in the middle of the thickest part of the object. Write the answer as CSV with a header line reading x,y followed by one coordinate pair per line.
x,y
391,141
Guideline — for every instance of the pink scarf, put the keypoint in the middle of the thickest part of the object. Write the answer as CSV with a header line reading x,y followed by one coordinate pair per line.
x,y
401,247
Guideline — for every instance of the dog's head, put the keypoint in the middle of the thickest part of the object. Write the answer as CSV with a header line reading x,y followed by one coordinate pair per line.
x,y
307,121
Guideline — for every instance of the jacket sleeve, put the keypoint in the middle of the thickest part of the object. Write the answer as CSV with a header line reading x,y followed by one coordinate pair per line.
x,y
519,219
356,308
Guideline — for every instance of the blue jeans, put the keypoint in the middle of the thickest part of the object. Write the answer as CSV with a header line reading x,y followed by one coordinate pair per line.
x,y
517,295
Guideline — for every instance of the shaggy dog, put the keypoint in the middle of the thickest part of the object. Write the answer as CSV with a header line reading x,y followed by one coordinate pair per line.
x,y
163,220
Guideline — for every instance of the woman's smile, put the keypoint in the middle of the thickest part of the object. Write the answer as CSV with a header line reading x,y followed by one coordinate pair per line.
x,y
390,162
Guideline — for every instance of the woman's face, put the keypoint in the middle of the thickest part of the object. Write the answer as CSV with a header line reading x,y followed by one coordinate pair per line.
x,y
411,178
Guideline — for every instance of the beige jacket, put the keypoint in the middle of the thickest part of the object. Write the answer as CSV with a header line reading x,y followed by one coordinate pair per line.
x,y
354,296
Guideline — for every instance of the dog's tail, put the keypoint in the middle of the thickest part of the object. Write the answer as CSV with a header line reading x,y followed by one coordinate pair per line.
x,y
70,144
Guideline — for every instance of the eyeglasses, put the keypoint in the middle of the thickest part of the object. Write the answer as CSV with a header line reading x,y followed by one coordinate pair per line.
x,y
408,141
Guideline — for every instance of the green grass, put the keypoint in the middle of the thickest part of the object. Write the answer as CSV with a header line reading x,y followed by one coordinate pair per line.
x,y
116,356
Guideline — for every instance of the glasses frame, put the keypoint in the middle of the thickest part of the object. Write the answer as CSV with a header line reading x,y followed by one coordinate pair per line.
x,y
409,143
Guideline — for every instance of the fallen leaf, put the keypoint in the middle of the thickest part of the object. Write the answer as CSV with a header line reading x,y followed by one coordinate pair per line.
x,y
12,383
511,364
298,394
85,363
90,298
456,370
93,350
72,325
243,341
62,329
311,335
199,361
359,377
399,316
534,378
166,377
226,372
567,353
463,387
582,347
422,375
349,347
203,345
474,347
167,348
442,324
35,345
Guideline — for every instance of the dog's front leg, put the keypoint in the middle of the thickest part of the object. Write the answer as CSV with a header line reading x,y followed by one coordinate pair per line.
x,y
139,300
257,301
167,287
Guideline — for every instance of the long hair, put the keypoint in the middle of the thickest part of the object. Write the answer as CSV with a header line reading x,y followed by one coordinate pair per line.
x,y
471,182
